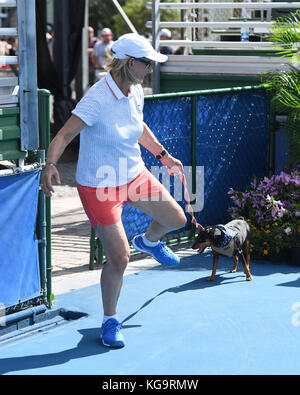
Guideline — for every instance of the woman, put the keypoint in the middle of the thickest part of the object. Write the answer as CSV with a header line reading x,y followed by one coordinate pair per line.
x,y
111,172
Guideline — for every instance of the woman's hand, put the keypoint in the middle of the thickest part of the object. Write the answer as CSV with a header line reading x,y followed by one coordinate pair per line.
x,y
175,165
50,172
71,129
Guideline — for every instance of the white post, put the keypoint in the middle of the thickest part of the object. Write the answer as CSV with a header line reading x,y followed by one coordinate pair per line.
x,y
28,75
124,16
21,162
155,43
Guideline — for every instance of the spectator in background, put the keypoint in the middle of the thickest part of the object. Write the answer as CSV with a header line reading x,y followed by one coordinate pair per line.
x,y
102,55
49,39
165,34
4,52
92,40
12,50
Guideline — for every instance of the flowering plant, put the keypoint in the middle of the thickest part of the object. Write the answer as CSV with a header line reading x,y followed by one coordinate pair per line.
x,y
271,206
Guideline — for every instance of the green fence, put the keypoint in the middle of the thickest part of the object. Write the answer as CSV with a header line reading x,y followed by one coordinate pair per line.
x,y
45,202
10,137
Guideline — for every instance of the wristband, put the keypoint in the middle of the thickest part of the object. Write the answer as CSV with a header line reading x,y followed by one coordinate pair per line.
x,y
163,153
50,164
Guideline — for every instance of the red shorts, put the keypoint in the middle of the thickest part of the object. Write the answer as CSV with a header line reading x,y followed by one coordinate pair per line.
x,y
105,205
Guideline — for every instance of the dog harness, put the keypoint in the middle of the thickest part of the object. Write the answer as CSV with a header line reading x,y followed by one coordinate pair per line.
x,y
227,246
234,236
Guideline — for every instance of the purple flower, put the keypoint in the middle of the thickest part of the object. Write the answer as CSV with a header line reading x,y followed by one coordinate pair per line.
x,y
281,212
287,231
287,204
253,183
274,211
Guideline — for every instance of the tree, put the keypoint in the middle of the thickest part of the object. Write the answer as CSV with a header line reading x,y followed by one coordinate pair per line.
x,y
105,14
137,12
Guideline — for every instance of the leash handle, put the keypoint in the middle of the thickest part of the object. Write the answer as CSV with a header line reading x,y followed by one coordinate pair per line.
x,y
186,195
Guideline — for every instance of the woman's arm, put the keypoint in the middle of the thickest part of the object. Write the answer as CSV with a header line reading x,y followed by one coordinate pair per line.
x,y
71,129
150,142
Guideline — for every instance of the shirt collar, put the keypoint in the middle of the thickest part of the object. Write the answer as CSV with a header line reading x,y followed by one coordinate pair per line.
x,y
116,91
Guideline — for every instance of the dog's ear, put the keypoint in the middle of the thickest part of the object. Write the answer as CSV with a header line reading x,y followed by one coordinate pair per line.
x,y
202,235
215,235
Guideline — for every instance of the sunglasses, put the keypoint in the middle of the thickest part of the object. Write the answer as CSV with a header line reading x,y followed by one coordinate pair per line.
x,y
147,63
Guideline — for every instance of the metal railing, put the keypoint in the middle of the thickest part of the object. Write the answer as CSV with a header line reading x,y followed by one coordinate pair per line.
x,y
189,44
156,24
22,90
19,123
7,98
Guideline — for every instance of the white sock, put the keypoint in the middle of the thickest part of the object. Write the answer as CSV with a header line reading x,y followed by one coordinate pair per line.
x,y
148,242
107,317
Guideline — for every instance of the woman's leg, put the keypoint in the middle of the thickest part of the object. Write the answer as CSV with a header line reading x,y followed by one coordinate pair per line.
x,y
166,214
116,248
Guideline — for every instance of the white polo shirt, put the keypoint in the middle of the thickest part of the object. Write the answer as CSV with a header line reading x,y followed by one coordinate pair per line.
x,y
101,51
109,153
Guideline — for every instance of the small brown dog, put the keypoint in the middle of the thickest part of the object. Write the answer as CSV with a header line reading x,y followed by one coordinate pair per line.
x,y
232,239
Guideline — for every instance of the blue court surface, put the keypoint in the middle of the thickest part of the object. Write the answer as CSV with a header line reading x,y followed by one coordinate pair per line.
x,y
175,322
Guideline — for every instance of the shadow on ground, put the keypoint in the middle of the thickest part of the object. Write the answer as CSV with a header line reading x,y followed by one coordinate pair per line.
x,y
89,345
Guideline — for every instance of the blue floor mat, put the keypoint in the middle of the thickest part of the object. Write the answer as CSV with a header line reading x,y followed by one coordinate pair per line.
x,y
175,322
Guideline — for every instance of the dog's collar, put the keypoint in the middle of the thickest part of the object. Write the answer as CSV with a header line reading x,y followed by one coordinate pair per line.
x,y
227,235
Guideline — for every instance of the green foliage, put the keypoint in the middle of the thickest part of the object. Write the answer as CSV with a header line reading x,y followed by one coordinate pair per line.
x,y
137,13
105,14
101,14
285,83
286,32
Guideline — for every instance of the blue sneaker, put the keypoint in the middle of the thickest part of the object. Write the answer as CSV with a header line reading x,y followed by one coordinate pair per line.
x,y
160,252
111,335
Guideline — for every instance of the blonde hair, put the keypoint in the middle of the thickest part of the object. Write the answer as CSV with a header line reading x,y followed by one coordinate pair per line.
x,y
122,72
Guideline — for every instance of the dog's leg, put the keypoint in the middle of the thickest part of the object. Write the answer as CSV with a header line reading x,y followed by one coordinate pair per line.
x,y
214,269
236,261
246,269
248,253
248,258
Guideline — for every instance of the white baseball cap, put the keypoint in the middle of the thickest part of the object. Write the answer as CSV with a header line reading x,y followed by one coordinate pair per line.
x,y
136,46
165,32
106,32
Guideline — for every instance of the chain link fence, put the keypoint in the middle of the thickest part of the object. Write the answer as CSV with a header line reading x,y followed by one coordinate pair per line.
x,y
221,134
